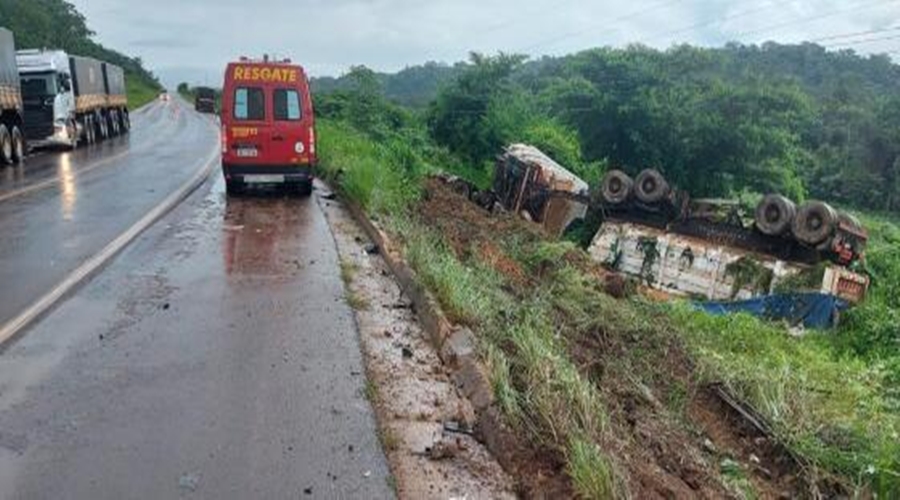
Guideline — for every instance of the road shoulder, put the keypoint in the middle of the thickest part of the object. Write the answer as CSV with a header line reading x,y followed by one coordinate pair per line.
x,y
424,422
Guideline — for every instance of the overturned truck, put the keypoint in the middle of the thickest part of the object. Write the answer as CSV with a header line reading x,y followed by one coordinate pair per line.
x,y
530,183
708,249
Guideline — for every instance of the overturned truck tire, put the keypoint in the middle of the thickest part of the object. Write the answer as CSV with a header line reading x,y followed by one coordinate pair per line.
x,y
650,186
616,187
815,223
775,215
851,222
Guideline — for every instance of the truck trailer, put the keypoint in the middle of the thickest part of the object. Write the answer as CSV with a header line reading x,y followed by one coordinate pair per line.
x,y
12,140
71,99
802,263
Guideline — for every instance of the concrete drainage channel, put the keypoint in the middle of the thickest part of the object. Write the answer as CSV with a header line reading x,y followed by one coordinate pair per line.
x,y
454,351
15,327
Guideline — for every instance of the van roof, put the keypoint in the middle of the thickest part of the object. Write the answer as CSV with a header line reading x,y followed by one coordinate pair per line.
x,y
283,64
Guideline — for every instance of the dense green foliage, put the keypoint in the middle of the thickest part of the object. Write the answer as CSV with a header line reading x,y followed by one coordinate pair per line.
x,y
56,24
414,86
718,122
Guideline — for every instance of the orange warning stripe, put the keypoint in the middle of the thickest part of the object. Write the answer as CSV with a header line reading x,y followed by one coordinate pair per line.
x,y
10,97
90,102
118,100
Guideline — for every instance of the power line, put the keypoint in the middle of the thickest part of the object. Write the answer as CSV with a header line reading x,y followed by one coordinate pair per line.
x,y
852,35
513,22
550,41
719,20
863,41
808,20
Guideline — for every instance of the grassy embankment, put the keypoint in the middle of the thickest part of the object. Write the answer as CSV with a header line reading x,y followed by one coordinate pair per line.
x,y
139,91
561,352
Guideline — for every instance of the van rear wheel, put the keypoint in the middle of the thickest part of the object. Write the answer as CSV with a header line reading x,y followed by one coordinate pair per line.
x,y
234,187
304,188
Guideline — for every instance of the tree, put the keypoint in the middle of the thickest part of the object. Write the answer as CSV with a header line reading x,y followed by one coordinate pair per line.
x,y
459,117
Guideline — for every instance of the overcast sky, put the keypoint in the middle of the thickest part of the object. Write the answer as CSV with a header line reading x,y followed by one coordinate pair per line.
x,y
193,39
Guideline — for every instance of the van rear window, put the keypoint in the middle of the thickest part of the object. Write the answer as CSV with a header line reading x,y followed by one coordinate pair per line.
x,y
287,105
249,103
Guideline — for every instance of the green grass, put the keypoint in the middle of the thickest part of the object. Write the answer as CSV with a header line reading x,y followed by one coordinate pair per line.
x,y
370,391
139,92
834,411
592,472
348,271
357,302
382,177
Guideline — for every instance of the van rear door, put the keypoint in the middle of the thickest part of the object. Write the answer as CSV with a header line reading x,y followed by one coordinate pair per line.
x,y
250,131
291,131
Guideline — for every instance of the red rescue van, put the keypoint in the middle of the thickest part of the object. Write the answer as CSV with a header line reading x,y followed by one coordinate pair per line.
x,y
268,126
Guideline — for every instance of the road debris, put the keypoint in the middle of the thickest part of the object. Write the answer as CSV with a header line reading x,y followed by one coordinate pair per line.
x,y
189,482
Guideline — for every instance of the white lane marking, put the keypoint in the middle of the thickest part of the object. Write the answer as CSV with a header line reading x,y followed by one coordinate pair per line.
x,y
56,180
13,327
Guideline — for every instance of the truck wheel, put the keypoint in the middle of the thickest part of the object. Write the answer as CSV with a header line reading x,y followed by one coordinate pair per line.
x,y
775,214
650,186
814,223
18,145
104,132
850,221
90,131
6,147
126,122
616,187
72,130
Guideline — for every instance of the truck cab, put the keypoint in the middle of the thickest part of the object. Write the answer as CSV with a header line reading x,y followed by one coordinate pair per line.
x,y
49,98
71,98
268,126
205,100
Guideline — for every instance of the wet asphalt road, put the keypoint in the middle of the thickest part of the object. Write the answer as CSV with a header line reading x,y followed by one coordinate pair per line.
x,y
214,358
59,209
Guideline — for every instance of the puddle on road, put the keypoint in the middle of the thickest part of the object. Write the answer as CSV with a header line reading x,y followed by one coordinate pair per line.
x,y
255,231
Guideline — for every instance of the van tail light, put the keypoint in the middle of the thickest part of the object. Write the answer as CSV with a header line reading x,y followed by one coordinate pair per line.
x,y
312,141
224,139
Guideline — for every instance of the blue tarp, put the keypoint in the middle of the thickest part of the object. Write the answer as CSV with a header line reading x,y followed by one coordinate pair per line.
x,y
812,310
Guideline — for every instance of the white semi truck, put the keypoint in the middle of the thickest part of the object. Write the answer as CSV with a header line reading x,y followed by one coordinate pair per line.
x,y
71,100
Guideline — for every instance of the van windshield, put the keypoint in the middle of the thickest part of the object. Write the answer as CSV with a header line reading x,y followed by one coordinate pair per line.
x,y
38,84
287,105
249,104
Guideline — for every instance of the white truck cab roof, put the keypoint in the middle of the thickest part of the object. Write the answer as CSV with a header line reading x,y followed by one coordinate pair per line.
x,y
39,61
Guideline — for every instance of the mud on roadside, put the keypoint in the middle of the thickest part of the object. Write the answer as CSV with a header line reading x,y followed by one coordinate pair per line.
x,y
425,424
